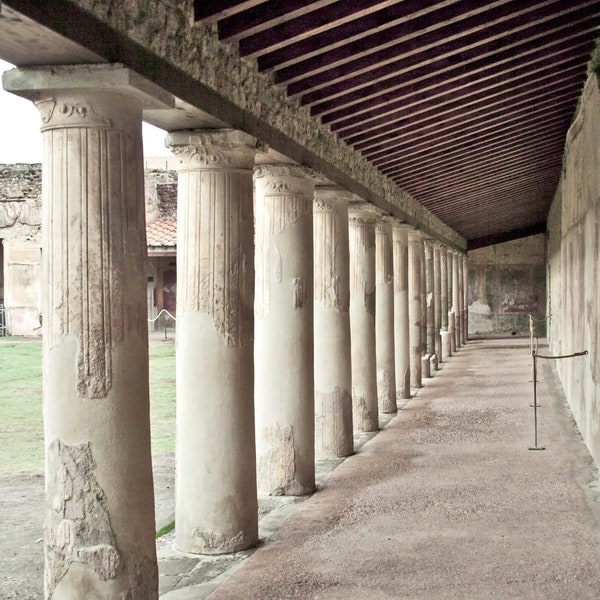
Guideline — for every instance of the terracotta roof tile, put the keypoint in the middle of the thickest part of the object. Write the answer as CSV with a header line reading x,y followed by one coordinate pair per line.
x,y
162,232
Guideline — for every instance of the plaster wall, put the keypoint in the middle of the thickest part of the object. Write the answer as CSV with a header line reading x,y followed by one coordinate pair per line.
x,y
573,267
507,283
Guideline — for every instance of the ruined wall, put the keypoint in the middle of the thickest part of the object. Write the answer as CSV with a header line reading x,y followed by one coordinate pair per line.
x,y
507,284
20,222
573,268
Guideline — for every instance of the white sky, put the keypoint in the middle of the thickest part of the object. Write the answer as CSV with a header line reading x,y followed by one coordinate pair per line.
x,y
20,137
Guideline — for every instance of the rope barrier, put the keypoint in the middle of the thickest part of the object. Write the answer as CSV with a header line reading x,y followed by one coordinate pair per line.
x,y
165,311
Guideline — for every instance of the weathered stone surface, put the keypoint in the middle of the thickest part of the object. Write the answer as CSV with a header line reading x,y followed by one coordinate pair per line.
x,y
573,268
507,283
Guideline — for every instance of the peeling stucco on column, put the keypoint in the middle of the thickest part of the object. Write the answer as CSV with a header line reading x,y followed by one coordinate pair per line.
x,y
333,370
215,334
284,369
362,318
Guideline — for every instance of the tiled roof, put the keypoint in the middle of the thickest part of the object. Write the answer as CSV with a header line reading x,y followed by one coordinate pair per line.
x,y
162,232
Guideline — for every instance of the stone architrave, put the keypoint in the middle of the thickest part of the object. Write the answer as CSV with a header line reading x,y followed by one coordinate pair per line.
x,y
444,333
362,318
216,505
465,298
401,322
437,300
99,528
284,357
415,312
454,316
333,359
384,318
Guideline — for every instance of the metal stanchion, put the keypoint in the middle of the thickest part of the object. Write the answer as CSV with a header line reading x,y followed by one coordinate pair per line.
x,y
535,405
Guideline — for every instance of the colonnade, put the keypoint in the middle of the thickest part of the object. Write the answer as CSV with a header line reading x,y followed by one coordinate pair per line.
x,y
303,313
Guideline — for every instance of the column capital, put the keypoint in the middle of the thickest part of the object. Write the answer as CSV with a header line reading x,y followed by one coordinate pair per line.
x,y
327,197
213,148
284,170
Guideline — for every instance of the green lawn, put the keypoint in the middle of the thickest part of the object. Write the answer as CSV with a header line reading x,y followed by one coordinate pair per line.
x,y
21,428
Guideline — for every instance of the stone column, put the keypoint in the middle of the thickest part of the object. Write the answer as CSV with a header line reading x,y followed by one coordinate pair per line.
x,y
454,316
437,302
415,252
284,357
430,304
465,298
216,506
461,309
99,528
401,322
425,356
384,318
333,359
362,319
445,305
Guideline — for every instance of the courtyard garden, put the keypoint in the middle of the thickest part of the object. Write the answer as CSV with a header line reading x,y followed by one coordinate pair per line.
x,y
21,424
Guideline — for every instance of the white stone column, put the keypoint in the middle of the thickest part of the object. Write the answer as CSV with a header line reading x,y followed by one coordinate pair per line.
x,y
333,358
384,318
461,309
415,253
284,357
401,321
465,298
454,316
437,301
362,319
99,528
216,506
445,305
430,304
425,356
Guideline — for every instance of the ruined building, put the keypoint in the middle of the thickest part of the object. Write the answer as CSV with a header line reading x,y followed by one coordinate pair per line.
x,y
336,162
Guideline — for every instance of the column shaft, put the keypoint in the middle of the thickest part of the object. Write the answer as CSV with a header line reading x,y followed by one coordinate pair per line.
x,y
99,528
414,306
454,317
401,321
384,318
362,320
461,309
429,297
437,301
445,305
216,506
465,298
284,357
333,358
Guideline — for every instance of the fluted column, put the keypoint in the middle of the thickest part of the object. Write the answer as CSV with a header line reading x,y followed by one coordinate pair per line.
x,y
415,253
284,358
445,305
216,506
401,321
384,318
461,299
437,301
465,298
425,356
430,304
333,359
99,527
362,319
454,316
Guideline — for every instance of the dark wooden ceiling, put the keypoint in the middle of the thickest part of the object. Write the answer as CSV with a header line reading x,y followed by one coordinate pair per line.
x,y
463,103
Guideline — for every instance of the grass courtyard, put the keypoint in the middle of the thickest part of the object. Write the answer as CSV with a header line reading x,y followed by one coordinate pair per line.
x,y
21,427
